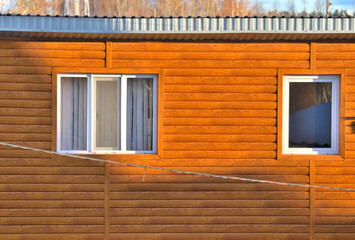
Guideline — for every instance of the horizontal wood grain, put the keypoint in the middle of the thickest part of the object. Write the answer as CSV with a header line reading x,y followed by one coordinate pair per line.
x,y
57,62
211,63
218,137
220,72
218,114
335,63
48,228
222,80
209,195
350,138
51,195
219,104
31,112
350,88
50,187
344,236
219,88
197,236
25,104
21,120
210,47
234,146
52,236
24,78
209,220
334,203
25,137
210,228
224,113
46,162
47,179
47,212
200,179
336,178
350,72
215,170
25,128
335,229
203,162
41,145
346,163
165,55
335,55
25,70
351,154
52,45
220,96
335,170
337,211
210,203
219,154
51,171
129,212
202,187
48,204
50,221
39,87
219,121
339,47
217,129
342,220
25,95
58,53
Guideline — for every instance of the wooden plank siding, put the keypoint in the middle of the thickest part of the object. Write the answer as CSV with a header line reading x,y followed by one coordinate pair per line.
x,y
335,211
43,197
218,116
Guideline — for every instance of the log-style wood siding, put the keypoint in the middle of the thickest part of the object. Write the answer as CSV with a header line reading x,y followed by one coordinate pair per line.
x,y
218,114
334,210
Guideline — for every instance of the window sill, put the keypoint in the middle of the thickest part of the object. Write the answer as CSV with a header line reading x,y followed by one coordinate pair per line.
x,y
125,157
310,157
119,157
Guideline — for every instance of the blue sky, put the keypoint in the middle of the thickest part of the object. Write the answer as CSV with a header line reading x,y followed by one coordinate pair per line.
x,y
349,5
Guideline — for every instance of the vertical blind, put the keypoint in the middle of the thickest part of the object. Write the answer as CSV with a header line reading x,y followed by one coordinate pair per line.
x,y
74,113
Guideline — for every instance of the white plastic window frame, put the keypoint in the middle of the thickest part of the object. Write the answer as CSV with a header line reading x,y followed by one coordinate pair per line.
x,y
90,108
334,149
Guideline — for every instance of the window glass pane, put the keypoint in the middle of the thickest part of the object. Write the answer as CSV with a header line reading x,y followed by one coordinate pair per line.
x,y
140,114
73,113
310,108
107,114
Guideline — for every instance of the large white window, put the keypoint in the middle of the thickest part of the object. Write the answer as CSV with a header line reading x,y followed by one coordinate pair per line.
x,y
106,113
310,116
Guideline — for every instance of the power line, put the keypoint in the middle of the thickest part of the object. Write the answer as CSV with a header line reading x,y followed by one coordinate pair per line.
x,y
175,170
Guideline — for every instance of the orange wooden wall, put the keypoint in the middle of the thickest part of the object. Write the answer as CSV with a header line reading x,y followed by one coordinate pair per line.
x,y
218,115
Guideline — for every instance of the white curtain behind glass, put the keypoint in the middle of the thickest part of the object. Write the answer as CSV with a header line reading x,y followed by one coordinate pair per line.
x,y
73,113
139,114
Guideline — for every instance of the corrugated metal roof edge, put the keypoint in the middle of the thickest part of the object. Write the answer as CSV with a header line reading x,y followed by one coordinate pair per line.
x,y
86,16
179,28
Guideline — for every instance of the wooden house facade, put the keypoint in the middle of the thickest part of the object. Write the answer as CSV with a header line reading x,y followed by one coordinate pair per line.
x,y
219,104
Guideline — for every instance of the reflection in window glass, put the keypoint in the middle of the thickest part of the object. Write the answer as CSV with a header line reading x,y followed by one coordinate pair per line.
x,y
310,106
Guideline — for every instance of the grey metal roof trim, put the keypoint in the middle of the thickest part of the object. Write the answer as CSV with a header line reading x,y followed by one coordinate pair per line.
x,y
197,28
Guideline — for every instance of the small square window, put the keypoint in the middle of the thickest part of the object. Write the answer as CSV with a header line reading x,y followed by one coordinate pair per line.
x,y
107,113
310,116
